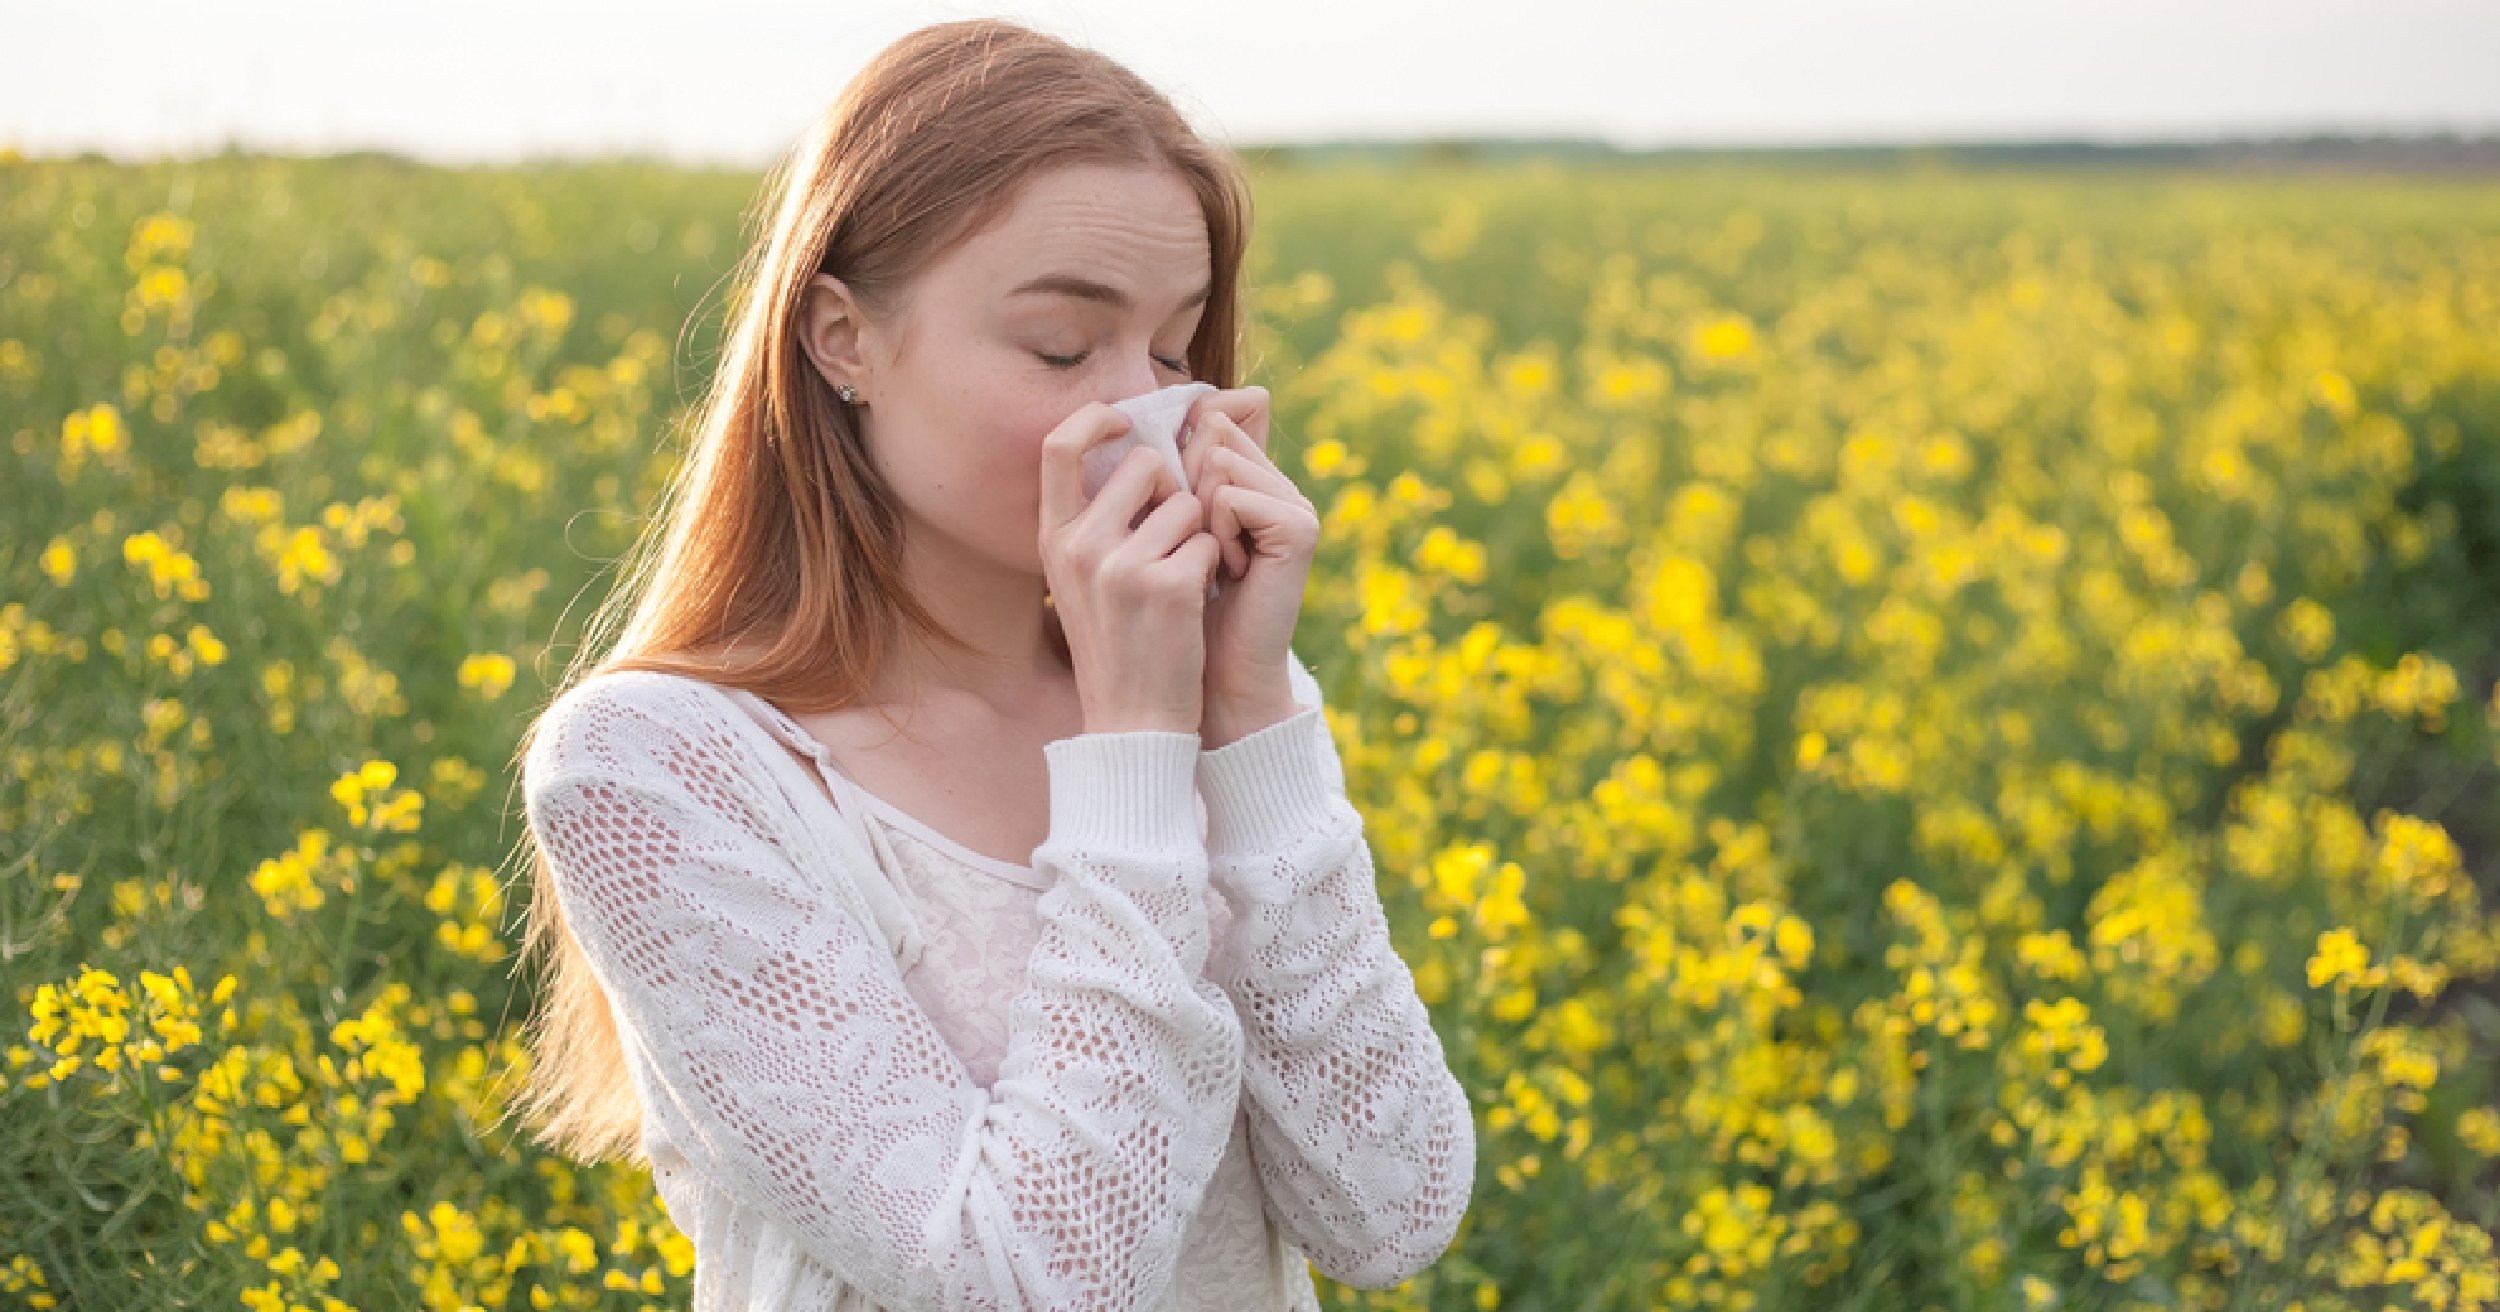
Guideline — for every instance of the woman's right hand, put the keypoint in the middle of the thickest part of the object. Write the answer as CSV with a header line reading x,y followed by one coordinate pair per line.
x,y
1131,592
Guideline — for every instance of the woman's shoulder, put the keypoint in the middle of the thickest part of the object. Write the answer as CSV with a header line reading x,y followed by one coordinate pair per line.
x,y
621,721
637,692
704,777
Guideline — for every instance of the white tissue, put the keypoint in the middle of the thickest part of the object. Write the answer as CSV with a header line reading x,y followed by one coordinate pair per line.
x,y
1155,420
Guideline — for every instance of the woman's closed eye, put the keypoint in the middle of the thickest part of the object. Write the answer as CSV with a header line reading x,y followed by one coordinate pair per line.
x,y
1071,361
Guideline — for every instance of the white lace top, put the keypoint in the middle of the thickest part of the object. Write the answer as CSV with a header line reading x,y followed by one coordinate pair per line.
x,y
880,1070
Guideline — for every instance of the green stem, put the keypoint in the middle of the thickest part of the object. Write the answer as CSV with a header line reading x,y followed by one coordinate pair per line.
x,y
2312,1143
1939,1165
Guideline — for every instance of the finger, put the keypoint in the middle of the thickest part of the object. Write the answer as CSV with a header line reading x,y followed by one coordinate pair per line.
x,y
1193,451
1203,476
1147,487
1236,463
1137,484
1216,471
1247,466
1276,528
1226,526
1197,556
1246,407
1197,444
1166,527
1063,452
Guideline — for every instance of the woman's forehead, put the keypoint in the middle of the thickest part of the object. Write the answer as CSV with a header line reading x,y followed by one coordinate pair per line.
x,y
1095,241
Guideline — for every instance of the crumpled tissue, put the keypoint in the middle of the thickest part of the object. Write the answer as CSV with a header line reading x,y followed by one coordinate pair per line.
x,y
1155,420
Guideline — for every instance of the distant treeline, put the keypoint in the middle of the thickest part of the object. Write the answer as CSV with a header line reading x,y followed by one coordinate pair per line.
x,y
2418,154
2405,154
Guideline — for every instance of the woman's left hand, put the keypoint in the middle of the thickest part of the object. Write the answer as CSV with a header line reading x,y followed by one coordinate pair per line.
x,y
1269,532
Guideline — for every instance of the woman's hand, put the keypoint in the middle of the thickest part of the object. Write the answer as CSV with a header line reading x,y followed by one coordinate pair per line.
x,y
1128,573
1268,531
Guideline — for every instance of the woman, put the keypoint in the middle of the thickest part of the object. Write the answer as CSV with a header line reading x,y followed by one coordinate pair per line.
x,y
882,643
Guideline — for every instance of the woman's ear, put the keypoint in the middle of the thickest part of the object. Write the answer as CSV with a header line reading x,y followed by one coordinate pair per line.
x,y
829,331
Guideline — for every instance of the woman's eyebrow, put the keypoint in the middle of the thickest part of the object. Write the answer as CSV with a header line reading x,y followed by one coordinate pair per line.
x,y
1069,284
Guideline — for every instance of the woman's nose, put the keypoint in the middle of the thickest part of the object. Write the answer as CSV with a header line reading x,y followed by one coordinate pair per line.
x,y
1137,377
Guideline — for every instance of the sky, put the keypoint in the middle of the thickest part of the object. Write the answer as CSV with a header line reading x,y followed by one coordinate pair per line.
x,y
735,81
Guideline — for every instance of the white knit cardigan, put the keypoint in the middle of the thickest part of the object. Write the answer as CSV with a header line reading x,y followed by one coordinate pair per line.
x,y
822,1145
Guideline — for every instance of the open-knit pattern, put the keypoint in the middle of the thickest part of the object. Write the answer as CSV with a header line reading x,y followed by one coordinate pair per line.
x,y
816,1127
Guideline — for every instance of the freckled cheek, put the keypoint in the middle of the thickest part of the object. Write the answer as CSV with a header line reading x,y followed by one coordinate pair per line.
x,y
1023,448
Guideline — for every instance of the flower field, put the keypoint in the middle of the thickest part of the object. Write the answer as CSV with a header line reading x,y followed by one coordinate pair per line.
x,y
1929,737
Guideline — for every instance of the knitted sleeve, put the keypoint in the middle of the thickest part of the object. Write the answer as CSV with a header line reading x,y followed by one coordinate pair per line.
x,y
774,1026
1364,1140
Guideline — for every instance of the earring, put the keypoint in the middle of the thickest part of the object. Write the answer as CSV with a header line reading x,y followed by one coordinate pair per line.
x,y
848,393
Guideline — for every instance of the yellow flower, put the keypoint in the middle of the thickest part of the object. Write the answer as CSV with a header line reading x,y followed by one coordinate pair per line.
x,y
1725,338
488,672
2478,1129
287,883
1794,940
206,645
2341,960
59,562
98,428
2308,627
158,237
169,569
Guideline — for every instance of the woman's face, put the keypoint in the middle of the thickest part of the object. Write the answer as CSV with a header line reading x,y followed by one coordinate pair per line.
x,y
1088,289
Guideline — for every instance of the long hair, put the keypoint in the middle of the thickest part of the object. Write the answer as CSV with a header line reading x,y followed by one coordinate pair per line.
x,y
775,525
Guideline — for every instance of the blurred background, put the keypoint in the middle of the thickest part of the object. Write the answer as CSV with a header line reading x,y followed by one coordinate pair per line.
x,y
732,84
1910,597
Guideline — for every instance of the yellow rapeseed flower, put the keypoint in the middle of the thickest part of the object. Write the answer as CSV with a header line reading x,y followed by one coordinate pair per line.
x,y
488,672
2342,961
1727,337
59,562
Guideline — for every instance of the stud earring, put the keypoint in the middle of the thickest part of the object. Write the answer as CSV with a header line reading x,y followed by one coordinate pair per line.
x,y
848,393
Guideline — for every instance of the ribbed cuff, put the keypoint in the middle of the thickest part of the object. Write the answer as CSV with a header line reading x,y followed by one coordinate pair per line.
x,y
1126,792
1267,789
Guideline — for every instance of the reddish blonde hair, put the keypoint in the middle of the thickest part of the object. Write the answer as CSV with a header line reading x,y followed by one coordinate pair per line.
x,y
775,524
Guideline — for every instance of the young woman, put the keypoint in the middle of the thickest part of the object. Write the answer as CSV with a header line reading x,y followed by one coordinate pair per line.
x,y
878,644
